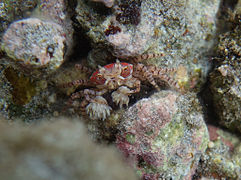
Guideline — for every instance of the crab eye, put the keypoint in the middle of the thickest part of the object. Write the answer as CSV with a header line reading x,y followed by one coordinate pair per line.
x,y
126,71
100,79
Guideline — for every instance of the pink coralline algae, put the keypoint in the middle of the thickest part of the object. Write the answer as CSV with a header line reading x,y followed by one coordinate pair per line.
x,y
158,138
216,134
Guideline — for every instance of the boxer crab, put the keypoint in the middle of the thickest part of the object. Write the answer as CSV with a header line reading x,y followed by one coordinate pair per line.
x,y
121,79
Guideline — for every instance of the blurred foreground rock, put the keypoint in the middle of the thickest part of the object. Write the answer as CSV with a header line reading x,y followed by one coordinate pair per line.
x,y
56,150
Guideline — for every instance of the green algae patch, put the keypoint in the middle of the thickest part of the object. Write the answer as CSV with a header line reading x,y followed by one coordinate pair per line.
x,y
130,138
22,88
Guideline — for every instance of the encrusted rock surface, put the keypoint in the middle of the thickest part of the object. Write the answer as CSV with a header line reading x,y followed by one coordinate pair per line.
x,y
43,40
32,49
5,92
35,42
222,158
60,12
225,80
25,98
164,136
57,150
36,49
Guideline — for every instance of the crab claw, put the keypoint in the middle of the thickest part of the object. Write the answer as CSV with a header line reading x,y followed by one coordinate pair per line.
x,y
120,96
98,108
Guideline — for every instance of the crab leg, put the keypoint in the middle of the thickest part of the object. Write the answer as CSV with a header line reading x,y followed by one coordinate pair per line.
x,y
145,57
79,82
134,84
74,96
171,82
83,68
156,71
161,73
87,93
90,94
83,103
141,72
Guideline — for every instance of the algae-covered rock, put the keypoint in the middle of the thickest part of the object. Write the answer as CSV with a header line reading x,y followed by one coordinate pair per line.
x,y
57,150
59,12
40,43
35,43
32,49
226,92
225,80
164,136
222,158
22,88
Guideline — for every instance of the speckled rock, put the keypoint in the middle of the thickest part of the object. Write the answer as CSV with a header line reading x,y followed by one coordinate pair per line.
x,y
182,30
164,136
222,158
57,150
11,10
225,80
35,43
43,40
5,92
60,12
